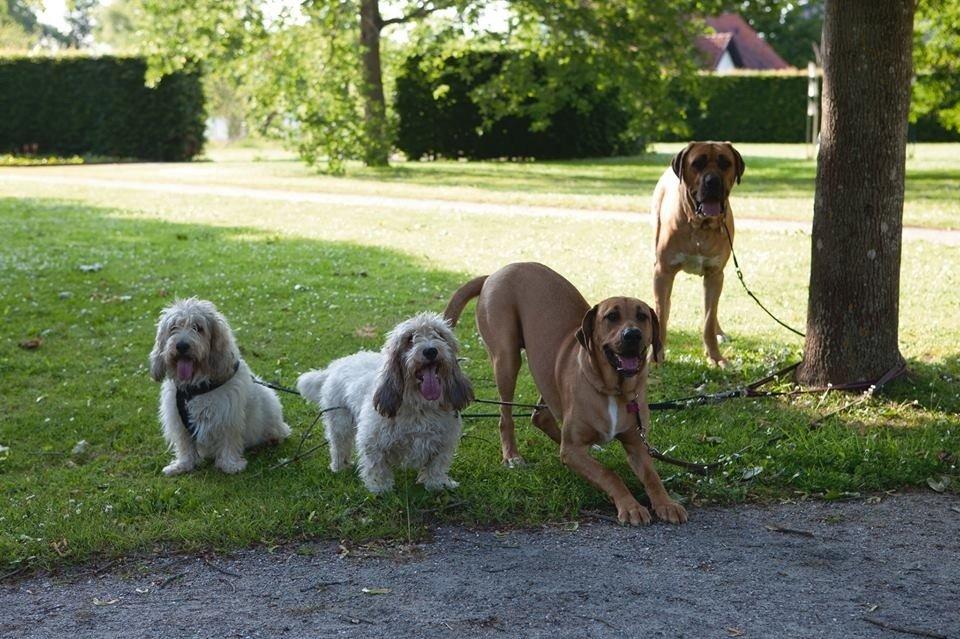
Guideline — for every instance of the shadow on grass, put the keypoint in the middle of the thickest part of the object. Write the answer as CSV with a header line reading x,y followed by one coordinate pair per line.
x,y
296,304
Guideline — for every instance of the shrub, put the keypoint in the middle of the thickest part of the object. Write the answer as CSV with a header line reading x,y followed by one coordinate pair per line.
x,y
768,107
437,116
76,105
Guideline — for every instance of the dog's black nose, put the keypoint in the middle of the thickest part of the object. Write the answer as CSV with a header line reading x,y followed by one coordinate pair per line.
x,y
711,181
183,347
631,335
430,353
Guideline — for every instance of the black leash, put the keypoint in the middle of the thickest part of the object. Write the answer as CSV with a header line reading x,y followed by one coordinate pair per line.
x,y
278,387
736,266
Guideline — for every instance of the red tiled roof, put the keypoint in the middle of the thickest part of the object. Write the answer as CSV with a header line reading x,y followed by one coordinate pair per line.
x,y
747,48
712,47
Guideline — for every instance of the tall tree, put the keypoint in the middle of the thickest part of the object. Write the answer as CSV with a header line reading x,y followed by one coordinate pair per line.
x,y
937,53
854,298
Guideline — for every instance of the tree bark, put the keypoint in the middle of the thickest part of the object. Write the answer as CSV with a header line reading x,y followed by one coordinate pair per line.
x,y
376,150
853,308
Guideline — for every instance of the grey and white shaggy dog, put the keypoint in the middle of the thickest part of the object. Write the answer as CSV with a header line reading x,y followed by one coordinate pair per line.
x,y
399,406
209,405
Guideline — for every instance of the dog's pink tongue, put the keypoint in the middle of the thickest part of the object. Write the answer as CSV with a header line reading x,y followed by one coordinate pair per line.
x,y
184,369
711,209
430,385
629,363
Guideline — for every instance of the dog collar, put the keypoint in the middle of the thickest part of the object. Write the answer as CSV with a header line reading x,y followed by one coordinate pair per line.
x,y
186,393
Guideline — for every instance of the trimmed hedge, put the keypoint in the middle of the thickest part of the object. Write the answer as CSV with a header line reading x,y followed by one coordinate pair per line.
x,y
439,118
77,105
769,107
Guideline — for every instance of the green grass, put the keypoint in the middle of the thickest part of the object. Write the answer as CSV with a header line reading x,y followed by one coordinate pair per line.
x,y
778,184
299,282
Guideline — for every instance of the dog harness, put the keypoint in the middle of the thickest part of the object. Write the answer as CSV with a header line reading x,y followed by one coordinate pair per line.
x,y
186,393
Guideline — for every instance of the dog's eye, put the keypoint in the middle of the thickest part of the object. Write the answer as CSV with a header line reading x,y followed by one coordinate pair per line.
x,y
198,328
612,316
641,316
723,163
700,162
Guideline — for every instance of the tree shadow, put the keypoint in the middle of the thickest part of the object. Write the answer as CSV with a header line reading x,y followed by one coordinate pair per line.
x,y
296,304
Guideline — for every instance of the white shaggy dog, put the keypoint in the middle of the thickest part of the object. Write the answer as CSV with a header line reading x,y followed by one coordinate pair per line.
x,y
400,405
209,404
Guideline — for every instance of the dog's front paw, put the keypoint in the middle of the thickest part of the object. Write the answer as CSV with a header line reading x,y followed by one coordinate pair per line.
x,y
631,512
379,487
514,462
440,483
718,361
672,512
231,465
178,467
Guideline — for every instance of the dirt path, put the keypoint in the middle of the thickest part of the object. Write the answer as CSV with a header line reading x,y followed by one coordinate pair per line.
x,y
725,574
937,236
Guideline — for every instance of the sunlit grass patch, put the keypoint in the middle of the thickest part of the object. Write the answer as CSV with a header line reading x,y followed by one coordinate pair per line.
x,y
303,284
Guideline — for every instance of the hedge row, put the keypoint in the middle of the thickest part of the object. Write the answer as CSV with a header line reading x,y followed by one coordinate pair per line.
x,y
769,107
75,105
438,118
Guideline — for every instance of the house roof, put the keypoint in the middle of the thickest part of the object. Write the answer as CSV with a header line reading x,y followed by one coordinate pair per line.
x,y
733,34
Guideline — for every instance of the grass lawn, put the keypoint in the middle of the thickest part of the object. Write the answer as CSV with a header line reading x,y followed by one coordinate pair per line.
x,y
778,183
304,283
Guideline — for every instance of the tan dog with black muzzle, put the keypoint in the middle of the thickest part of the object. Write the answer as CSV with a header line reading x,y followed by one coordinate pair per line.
x,y
589,365
690,207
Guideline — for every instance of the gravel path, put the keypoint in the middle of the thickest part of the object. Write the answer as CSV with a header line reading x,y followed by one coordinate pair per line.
x,y
936,236
829,568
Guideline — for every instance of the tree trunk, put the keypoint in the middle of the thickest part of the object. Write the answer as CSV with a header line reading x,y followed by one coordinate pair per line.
x,y
376,150
852,313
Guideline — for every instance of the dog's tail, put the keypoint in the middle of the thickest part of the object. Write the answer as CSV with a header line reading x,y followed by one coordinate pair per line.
x,y
463,295
310,384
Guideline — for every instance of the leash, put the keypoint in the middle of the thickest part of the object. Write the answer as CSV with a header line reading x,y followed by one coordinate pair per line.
x,y
736,266
278,387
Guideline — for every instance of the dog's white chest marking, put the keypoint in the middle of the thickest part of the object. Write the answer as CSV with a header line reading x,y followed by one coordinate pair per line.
x,y
614,412
694,263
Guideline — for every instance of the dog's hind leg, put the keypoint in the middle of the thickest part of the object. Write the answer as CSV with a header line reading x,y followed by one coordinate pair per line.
x,y
545,421
506,365
340,431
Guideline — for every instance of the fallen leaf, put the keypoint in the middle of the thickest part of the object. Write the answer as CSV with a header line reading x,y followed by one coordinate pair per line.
x,y
872,607
104,602
376,591
91,268
31,344
750,473
938,485
734,631
80,447
142,591
367,331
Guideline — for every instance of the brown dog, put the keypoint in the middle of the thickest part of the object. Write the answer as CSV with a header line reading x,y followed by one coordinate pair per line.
x,y
690,206
589,365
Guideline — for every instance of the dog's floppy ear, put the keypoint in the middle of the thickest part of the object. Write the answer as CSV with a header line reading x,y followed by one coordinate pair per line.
x,y
677,163
741,166
585,332
457,389
158,368
389,394
655,338
223,350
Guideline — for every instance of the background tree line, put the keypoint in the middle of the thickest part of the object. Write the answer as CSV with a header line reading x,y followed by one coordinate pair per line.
x,y
320,74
